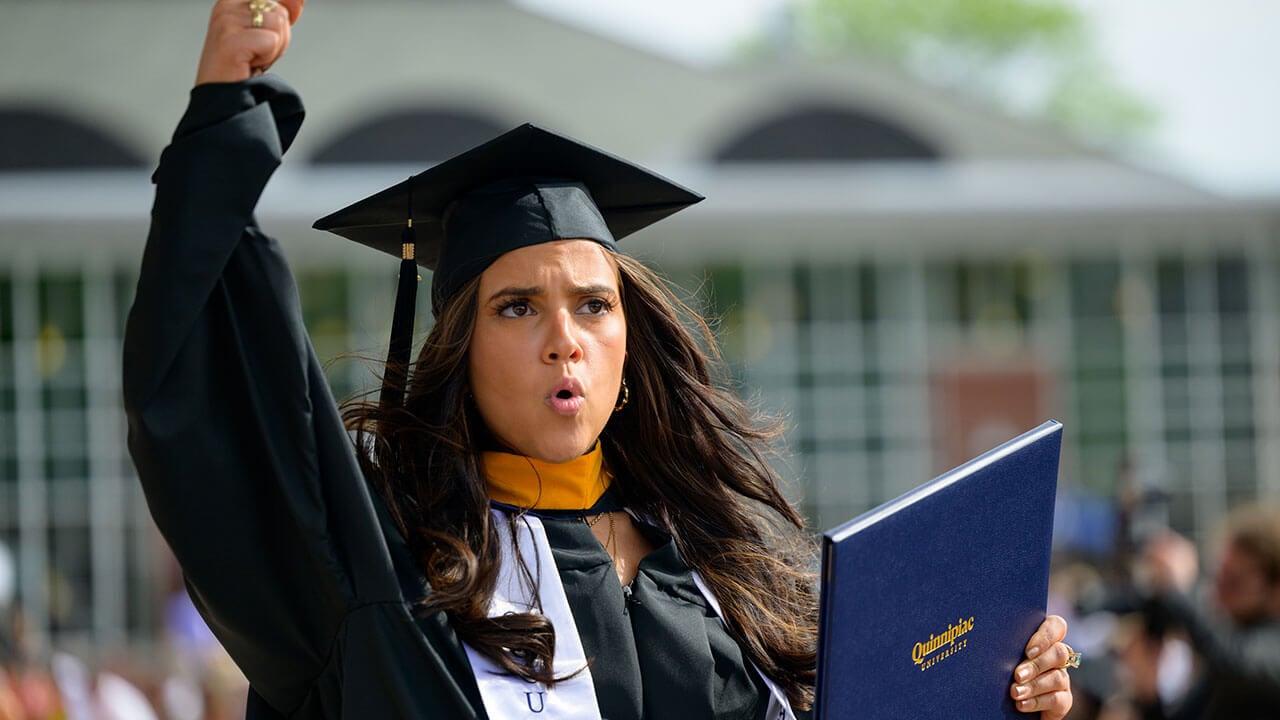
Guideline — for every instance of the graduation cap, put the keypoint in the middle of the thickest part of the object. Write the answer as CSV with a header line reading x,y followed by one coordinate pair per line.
x,y
524,187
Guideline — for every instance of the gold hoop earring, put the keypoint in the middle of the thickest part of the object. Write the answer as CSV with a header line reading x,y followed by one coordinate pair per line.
x,y
624,396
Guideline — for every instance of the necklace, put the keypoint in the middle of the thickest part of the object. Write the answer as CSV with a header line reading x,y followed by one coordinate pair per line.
x,y
611,541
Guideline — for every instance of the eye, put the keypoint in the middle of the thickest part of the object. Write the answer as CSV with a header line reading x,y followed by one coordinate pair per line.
x,y
596,306
516,309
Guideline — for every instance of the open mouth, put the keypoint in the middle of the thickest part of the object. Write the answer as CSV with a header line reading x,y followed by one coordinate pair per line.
x,y
566,397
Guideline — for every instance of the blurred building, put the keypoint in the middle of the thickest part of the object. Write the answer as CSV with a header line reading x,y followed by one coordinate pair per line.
x,y
908,276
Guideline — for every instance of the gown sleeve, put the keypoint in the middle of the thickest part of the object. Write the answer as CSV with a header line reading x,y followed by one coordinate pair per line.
x,y
243,458
1244,663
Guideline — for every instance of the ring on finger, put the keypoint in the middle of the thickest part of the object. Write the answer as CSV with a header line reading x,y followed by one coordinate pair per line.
x,y
259,8
1073,658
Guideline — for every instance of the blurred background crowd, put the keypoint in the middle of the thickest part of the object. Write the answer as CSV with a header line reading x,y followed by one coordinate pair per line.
x,y
929,227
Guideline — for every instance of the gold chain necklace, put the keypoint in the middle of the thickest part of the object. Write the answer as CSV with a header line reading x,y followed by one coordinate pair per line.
x,y
611,542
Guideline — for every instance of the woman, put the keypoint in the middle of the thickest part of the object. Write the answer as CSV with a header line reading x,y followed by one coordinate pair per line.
x,y
557,388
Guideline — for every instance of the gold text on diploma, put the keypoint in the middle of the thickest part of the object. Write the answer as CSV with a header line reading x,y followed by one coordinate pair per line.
x,y
947,639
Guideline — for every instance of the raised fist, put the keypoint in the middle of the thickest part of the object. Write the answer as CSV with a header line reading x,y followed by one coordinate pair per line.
x,y
245,38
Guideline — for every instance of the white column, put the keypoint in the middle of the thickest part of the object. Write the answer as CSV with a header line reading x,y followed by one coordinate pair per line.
x,y
105,423
1144,401
1264,306
1052,331
837,477
32,550
1204,381
904,372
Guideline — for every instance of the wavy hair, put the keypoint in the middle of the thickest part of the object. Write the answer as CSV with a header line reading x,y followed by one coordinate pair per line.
x,y
685,452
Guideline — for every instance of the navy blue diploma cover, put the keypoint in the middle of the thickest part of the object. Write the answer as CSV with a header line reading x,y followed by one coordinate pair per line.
x,y
928,601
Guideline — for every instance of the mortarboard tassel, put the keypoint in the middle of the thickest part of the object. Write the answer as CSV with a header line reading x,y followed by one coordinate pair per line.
x,y
395,374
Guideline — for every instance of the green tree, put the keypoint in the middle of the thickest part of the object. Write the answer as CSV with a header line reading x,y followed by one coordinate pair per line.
x,y
1035,57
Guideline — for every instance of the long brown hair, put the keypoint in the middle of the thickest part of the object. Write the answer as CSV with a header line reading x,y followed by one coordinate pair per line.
x,y
685,453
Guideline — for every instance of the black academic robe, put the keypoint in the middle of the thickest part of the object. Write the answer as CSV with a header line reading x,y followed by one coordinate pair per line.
x,y
253,481
1240,665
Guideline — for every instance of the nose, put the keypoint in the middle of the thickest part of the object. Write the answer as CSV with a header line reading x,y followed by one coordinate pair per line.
x,y
562,340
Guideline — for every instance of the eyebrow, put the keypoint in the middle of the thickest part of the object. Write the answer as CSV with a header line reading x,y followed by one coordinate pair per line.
x,y
536,290
516,292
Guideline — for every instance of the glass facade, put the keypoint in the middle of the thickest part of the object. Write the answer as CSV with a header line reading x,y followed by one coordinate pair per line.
x,y
887,370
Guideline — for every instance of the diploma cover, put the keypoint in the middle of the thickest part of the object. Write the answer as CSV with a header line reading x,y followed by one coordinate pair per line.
x,y
928,601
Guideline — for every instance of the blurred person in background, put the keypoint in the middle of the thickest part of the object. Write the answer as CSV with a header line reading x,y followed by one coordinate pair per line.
x,y
1236,647
27,688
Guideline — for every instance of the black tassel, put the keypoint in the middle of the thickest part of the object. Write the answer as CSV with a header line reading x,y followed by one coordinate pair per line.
x,y
396,373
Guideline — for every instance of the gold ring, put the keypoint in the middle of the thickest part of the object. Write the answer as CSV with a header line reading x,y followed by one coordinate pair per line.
x,y
258,8
1073,658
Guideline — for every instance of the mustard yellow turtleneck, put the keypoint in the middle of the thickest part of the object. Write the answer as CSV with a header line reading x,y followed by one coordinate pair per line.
x,y
528,483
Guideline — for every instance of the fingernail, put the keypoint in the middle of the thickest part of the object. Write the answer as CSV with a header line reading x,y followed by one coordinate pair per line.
x,y
1025,705
1033,651
1024,673
1021,691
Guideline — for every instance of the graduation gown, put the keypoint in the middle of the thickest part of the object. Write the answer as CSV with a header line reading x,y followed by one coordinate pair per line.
x,y
253,481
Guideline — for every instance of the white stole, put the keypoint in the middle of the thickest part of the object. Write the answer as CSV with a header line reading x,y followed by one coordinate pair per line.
x,y
510,696
507,696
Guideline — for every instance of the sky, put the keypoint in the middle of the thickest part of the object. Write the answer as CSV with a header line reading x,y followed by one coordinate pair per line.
x,y
1210,69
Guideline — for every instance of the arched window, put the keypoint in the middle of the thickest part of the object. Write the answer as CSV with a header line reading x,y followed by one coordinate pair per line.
x,y
38,139
409,136
825,133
